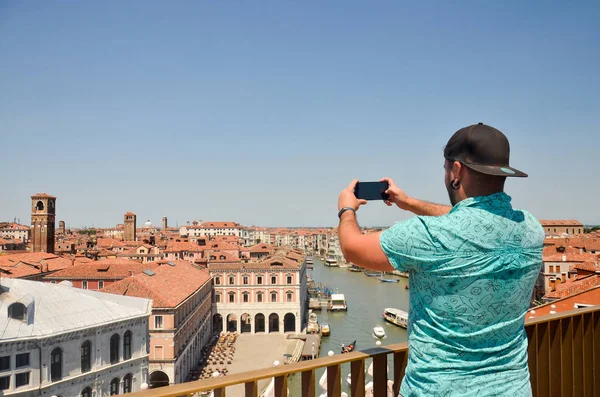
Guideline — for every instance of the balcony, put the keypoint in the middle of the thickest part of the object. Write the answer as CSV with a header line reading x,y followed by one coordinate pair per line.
x,y
564,360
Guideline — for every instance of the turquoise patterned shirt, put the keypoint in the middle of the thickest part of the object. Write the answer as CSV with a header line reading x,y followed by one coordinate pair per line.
x,y
471,273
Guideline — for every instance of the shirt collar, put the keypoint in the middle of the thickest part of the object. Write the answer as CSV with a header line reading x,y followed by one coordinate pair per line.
x,y
496,200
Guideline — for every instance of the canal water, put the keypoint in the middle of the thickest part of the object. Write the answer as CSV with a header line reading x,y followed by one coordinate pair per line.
x,y
366,298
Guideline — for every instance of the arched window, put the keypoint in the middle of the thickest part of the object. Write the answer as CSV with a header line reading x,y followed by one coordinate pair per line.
x,y
127,383
259,297
86,356
289,296
114,386
245,297
114,349
39,206
87,392
273,296
232,297
56,364
127,345
17,311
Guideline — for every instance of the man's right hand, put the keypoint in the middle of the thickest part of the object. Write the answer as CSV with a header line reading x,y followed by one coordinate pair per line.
x,y
397,195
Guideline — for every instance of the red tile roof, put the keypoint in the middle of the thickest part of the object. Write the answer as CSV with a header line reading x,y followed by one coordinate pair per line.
x,y
105,269
574,287
42,195
168,287
558,257
570,222
219,225
588,297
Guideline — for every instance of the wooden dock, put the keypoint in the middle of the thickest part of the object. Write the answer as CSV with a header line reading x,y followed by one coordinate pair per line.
x,y
307,350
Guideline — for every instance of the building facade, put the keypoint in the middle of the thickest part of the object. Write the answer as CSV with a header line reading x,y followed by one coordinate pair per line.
x,y
571,227
259,297
62,341
43,214
181,319
14,231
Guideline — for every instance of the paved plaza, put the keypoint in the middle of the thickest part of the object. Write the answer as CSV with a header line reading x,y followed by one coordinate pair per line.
x,y
256,352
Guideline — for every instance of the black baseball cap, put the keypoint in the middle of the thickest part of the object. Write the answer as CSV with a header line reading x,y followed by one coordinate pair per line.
x,y
482,148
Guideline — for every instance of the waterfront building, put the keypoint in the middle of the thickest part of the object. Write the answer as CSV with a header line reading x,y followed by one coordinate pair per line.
x,y
180,324
57,340
265,296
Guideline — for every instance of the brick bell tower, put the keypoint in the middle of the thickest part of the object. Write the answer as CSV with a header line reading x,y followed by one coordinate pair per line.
x,y
43,213
130,221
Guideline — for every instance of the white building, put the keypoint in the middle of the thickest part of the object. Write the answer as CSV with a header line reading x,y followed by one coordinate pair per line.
x,y
56,340
261,297
14,231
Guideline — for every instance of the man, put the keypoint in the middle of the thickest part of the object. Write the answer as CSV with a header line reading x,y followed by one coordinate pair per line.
x,y
472,267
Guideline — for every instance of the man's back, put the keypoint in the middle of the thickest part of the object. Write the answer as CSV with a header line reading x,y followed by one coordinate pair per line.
x,y
471,278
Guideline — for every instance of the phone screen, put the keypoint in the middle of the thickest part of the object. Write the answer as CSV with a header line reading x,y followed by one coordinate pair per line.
x,y
371,190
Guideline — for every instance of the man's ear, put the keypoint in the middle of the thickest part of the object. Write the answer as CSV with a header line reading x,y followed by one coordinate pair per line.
x,y
457,168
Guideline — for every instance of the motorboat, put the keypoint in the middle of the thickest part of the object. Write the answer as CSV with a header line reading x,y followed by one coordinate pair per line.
x,y
396,316
309,260
354,268
373,274
348,348
325,330
331,261
338,303
379,332
310,267
389,280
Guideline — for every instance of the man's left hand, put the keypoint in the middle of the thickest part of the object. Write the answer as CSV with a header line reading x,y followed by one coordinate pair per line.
x,y
348,199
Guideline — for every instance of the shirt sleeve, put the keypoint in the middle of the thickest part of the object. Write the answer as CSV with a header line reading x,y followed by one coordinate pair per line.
x,y
407,244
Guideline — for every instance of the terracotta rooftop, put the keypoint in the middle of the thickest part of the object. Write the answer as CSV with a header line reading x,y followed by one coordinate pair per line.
x,y
219,225
104,269
576,257
42,195
279,260
574,287
588,297
167,286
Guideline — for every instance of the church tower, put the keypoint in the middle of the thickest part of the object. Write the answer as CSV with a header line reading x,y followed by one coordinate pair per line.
x,y
43,212
130,223
164,223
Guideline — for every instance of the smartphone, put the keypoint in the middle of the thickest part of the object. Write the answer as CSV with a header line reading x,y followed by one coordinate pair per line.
x,y
371,190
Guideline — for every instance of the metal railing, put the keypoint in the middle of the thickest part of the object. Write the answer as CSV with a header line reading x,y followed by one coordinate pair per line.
x,y
564,360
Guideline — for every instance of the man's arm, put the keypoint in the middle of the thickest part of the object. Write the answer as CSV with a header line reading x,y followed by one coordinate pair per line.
x,y
418,207
363,250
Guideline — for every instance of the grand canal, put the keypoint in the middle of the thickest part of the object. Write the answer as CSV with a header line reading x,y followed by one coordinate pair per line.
x,y
366,298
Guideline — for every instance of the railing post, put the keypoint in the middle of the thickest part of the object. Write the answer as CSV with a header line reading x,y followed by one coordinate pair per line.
x,y
400,362
596,350
577,356
219,392
251,389
588,358
532,356
357,378
380,375
281,386
308,383
334,381
566,358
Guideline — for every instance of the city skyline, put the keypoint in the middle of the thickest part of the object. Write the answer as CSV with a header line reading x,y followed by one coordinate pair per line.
x,y
262,115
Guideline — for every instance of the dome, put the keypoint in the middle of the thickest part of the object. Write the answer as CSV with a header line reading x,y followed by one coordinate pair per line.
x,y
148,223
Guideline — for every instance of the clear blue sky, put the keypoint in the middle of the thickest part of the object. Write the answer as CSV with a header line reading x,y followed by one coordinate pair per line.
x,y
262,111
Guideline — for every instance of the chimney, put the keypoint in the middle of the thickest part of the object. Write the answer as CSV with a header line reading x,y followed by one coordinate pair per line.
x,y
580,251
564,277
72,261
131,273
552,284
564,257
